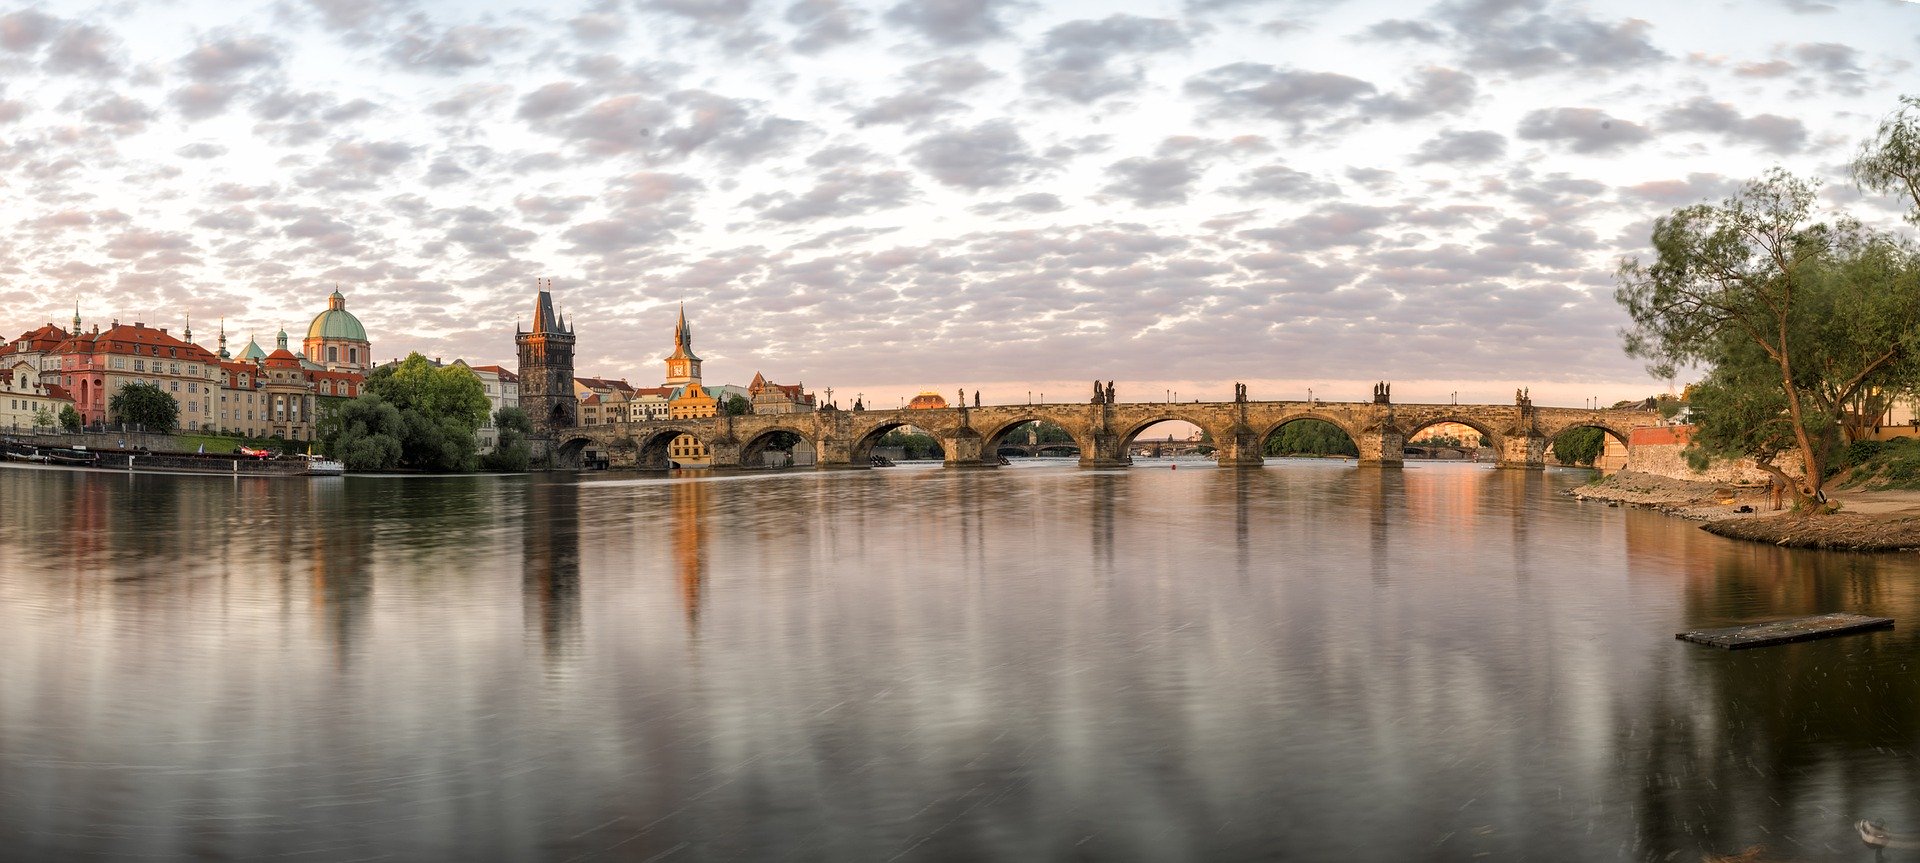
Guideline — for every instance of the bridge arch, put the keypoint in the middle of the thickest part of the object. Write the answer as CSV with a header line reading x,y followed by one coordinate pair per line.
x,y
867,436
753,449
650,446
994,433
1210,429
1412,428
1551,430
1274,427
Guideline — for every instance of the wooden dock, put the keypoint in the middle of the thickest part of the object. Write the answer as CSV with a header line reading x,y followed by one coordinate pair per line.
x,y
1786,631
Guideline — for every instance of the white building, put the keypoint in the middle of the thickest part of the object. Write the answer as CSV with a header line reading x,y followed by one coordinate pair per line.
x,y
25,403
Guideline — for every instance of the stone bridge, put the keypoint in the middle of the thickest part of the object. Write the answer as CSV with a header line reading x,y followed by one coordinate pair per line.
x,y
1520,433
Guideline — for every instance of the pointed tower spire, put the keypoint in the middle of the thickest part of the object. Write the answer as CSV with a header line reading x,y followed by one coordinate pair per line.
x,y
186,334
76,317
223,340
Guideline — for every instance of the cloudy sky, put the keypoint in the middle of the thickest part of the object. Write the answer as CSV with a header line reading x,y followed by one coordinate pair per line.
x,y
1014,195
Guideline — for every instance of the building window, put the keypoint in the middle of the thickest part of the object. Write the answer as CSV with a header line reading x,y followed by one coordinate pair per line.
x,y
353,355
333,354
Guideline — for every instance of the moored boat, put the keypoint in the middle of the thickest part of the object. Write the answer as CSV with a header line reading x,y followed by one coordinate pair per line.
x,y
325,467
72,456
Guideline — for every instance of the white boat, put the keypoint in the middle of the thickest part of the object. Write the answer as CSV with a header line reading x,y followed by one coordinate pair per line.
x,y
325,467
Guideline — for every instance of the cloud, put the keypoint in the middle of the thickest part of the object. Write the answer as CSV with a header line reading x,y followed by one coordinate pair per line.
x,y
1257,90
1525,37
824,24
990,155
838,193
1078,60
124,114
200,101
25,30
1151,182
931,88
951,22
84,50
223,59
1585,130
451,50
1461,148
1434,90
1839,63
1279,182
1701,114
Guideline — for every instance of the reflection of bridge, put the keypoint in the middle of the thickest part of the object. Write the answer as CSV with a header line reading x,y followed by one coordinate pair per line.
x,y
972,437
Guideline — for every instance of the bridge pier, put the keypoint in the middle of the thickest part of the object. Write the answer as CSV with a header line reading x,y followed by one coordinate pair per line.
x,y
1108,450
966,449
1384,448
834,453
1239,447
1526,451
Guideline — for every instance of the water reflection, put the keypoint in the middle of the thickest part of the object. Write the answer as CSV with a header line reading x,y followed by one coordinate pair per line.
x,y
1313,661
550,565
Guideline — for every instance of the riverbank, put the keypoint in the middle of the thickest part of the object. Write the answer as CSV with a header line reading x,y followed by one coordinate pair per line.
x,y
1867,521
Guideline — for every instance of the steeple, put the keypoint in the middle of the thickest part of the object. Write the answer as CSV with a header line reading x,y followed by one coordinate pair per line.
x,y
76,317
545,320
683,367
280,342
186,333
223,340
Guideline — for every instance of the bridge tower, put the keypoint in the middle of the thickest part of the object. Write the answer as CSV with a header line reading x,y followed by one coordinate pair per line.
x,y
546,370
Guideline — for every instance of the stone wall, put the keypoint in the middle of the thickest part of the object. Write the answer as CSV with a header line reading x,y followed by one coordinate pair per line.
x,y
1658,451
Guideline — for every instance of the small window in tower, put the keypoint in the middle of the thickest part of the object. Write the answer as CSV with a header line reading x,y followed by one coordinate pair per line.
x,y
333,354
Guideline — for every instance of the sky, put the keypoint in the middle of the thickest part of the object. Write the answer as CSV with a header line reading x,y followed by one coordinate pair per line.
x,y
1011,196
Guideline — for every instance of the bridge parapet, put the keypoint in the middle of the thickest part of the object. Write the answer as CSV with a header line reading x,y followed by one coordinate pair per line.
x,y
1102,432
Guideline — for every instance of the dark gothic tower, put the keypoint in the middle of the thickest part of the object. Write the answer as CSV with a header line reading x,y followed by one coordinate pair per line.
x,y
546,369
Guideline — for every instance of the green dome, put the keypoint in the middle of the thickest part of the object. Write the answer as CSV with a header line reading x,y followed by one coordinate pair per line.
x,y
336,322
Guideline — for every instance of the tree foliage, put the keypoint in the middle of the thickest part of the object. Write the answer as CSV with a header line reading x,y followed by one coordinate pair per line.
x,y
736,405
1581,446
146,406
511,453
409,414
1792,318
1310,437
914,444
70,418
1042,431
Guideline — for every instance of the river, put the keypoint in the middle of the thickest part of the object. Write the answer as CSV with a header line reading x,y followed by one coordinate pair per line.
x,y
1311,661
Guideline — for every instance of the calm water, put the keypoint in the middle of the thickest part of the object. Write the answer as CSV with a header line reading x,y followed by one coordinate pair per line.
x,y
1304,662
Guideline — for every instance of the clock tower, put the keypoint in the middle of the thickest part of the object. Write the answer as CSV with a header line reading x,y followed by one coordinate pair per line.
x,y
683,367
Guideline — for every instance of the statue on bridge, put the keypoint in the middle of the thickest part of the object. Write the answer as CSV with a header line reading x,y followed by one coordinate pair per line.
x,y
1239,392
1098,396
1109,392
1382,393
976,398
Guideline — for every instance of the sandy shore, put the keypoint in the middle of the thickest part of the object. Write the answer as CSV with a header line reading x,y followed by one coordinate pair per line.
x,y
1867,521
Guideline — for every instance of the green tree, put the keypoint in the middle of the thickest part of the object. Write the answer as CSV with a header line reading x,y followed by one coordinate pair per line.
x,y
451,391
70,418
1310,437
364,434
1580,445
42,418
435,413
512,453
1889,162
144,406
1437,440
1792,318
1043,431
915,444
736,405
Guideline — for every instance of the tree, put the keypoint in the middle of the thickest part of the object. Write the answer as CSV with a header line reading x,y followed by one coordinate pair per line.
x,y
1792,318
1581,446
42,418
512,453
1889,162
435,412
1310,437
364,434
1043,432
145,406
736,405
69,418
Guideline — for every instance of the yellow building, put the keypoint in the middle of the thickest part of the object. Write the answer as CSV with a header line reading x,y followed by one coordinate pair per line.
x,y
690,402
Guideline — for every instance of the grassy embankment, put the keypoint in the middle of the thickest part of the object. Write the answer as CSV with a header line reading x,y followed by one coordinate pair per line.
x,y
1880,465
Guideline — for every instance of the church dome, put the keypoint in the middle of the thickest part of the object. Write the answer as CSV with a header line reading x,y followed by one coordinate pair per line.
x,y
336,322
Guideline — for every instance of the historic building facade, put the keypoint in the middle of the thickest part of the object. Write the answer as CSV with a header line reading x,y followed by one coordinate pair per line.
x,y
25,402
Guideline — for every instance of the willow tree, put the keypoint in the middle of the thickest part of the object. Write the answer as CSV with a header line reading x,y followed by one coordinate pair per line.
x,y
1792,318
